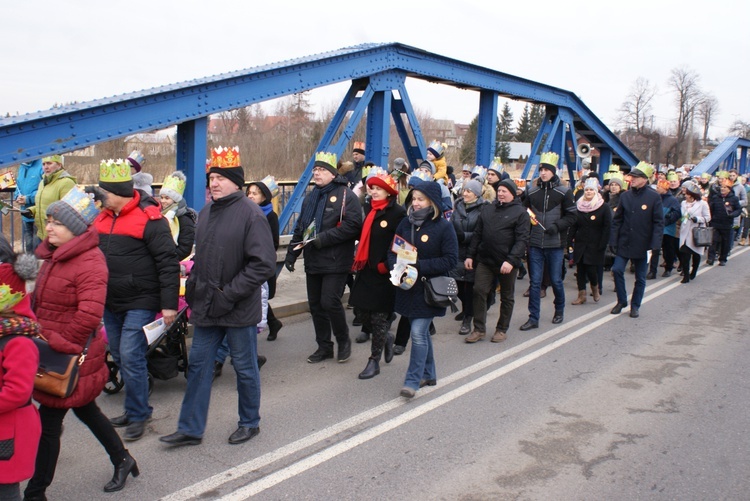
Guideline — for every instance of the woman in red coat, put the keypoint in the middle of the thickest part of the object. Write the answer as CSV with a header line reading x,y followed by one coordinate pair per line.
x,y
19,360
69,302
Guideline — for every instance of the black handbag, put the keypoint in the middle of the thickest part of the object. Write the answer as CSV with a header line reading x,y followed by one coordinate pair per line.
x,y
441,292
703,236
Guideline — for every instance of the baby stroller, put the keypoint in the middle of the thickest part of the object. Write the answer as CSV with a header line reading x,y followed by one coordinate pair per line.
x,y
166,356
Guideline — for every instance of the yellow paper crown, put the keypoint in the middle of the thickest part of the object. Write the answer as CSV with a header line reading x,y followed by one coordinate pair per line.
x,y
645,168
722,174
53,158
549,158
114,171
225,157
174,183
7,298
614,168
327,158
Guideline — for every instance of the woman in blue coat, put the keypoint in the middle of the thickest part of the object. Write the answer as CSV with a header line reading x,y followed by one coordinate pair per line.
x,y
437,254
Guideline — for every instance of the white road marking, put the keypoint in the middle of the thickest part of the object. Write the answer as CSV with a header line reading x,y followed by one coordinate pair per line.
x,y
290,471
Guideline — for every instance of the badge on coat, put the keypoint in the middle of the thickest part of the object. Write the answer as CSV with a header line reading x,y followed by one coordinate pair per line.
x,y
383,224
593,218
644,206
333,199
425,238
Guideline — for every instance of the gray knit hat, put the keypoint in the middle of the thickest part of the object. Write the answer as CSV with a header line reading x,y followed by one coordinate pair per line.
x,y
475,187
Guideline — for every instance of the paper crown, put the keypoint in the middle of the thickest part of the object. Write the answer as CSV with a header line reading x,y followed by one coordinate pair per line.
x,y
617,176
672,176
422,175
53,158
271,184
8,299
614,168
384,180
496,165
727,182
663,184
358,147
83,203
705,175
174,183
466,168
643,168
136,160
223,158
114,171
591,182
372,171
549,158
437,148
327,158
479,171
722,174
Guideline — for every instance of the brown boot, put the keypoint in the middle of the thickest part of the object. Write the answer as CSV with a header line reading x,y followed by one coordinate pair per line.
x,y
581,298
474,337
743,241
595,293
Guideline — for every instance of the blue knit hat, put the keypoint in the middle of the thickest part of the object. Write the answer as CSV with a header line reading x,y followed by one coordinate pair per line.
x,y
432,190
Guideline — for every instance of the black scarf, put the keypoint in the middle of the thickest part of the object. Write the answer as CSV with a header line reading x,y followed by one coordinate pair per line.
x,y
315,209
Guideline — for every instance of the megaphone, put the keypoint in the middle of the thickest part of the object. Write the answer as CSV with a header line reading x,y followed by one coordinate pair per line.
x,y
583,150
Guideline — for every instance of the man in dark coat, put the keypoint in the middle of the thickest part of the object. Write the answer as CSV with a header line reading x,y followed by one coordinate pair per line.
x,y
636,228
724,206
234,256
144,277
670,241
354,176
328,225
554,212
498,245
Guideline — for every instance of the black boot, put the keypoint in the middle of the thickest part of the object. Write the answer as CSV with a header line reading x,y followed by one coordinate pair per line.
x,y
372,369
273,329
388,348
122,469
466,325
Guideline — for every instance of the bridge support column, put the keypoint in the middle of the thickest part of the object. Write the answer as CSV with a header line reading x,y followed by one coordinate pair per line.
x,y
191,159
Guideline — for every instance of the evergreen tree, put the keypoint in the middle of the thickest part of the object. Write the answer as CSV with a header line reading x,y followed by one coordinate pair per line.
x,y
504,133
468,153
524,132
536,117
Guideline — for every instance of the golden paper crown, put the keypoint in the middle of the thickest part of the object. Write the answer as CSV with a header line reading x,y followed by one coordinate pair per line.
x,y
7,298
549,158
722,174
114,171
644,168
53,158
614,168
226,157
174,183
437,147
359,145
327,158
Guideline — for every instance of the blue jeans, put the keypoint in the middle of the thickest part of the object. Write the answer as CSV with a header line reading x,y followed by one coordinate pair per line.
x,y
28,232
553,260
128,346
243,343
618,270
223,352
421,361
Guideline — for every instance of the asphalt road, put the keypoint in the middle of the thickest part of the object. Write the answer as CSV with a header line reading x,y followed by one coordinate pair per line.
x,y
600,407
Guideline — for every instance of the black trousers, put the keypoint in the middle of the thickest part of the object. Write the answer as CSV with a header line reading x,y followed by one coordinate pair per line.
x,y
721,244
466,295
49,443
587,274
686,255
376,323
484,281
324,292
669,247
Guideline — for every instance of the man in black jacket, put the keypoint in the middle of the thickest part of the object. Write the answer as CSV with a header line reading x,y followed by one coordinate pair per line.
x,y
234,256
497,245
724,206
554,212
637,227
144,278
328,225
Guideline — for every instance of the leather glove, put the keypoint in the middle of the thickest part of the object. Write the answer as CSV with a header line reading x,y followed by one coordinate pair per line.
x,y
694,219
551,230
289,264
318,243
612,249
26,213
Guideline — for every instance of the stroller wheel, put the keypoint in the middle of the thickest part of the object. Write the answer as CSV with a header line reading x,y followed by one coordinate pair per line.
x,y
114,383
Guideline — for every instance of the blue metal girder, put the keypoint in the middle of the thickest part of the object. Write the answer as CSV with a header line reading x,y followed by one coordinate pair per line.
x,y
191,159
73,127
486,128
402,106
552,136
605,160
724,156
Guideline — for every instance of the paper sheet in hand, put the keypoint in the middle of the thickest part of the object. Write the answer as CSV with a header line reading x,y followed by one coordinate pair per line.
x,y
154,330
308,236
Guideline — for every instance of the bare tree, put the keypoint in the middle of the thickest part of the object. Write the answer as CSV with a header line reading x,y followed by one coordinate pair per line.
x,y
740,129
636,111
684,84
706,112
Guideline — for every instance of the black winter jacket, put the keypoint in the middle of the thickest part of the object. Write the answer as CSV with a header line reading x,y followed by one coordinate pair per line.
x,y
338,232
501,234
723,210
638,223
143,269
554,207
234,255
590,235
464,221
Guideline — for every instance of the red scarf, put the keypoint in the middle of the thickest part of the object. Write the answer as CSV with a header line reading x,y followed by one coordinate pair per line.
x,y
363,250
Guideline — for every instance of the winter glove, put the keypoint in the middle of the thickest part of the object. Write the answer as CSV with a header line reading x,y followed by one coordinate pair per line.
x,y
318,243
694,219
612,249
551,230
26,213
289,263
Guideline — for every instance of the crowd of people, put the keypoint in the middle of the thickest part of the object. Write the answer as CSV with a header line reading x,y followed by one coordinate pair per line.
x,y
115,253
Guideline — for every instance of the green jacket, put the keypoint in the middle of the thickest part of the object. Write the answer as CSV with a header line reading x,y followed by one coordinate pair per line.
x,y
51,189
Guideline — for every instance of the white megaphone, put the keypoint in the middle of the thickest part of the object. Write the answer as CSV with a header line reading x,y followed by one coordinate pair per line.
x,y
583,150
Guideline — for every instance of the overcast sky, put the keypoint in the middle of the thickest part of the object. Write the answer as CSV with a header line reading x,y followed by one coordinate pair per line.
x,y
58,52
